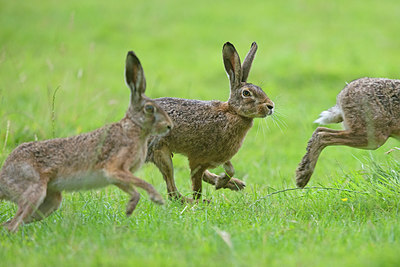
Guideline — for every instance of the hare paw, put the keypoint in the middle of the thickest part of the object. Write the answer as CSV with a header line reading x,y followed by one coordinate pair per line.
x,y
206,201
197,201
303,175
157,198
235,184
6,224
178,197
222,181
11,226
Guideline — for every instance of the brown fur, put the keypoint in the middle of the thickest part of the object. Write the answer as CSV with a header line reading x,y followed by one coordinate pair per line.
x,y
370,111
35,173
210,133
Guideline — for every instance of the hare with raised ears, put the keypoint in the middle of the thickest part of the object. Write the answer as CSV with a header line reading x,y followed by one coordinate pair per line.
x,y
210,133
35,173
370,111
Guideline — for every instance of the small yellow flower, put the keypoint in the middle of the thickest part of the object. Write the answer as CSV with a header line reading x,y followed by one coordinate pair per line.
x,y
344,199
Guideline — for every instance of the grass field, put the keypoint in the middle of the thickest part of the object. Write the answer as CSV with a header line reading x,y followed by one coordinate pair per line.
x,y
61,74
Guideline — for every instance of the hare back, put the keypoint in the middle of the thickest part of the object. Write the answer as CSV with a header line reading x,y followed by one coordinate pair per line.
x,y
73,156
371,102
203,129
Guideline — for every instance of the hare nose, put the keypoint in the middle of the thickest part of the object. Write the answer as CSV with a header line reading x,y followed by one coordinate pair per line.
x,y
270,107
169,127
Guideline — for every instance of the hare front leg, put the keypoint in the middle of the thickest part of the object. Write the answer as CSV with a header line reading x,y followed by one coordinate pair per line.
x,y
196,175
225,177
323,137
126,182
225,180
153,194
135,197
162,159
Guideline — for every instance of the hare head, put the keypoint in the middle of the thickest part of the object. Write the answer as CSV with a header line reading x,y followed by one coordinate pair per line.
x,y
142,110
246,99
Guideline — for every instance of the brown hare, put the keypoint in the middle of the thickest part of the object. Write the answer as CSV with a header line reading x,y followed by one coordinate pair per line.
x,y
370,111
210,133
35,173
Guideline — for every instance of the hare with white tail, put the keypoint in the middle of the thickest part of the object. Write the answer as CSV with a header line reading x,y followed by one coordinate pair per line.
x,y
370,111
35,173
210,133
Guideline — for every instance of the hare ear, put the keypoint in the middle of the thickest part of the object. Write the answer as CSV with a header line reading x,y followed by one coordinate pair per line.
x,y
246,66
232,64
134,77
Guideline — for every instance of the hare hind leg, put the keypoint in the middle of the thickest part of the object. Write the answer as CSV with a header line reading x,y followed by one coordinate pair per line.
x,y
50,204
162,159
28,203
323,137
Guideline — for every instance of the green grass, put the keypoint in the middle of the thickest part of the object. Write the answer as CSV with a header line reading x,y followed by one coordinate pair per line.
x,y
307,51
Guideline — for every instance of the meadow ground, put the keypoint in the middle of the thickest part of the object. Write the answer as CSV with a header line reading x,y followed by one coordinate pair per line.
x,y
61,74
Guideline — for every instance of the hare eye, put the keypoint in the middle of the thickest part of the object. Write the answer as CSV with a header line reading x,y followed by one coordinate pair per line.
x,y
246,93
149,109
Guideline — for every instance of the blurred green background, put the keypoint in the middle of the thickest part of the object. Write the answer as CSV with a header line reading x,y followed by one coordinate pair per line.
x,y
62,62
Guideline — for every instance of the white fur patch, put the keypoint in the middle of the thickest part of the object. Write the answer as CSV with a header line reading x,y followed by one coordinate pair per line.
x,y
332,115
80,181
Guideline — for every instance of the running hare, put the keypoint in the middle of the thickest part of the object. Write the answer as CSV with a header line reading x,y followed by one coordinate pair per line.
x,y
210,133
370,111
35,173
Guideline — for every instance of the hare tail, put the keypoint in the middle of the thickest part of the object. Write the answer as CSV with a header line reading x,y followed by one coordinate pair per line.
x,y
332,115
